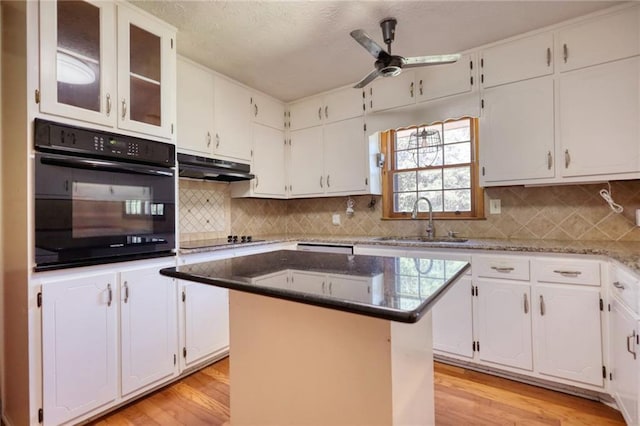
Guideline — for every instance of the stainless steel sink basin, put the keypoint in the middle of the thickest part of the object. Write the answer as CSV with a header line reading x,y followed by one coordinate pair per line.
x,y
424,239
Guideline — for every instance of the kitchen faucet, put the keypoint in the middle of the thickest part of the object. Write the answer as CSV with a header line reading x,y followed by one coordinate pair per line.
x,y
431,230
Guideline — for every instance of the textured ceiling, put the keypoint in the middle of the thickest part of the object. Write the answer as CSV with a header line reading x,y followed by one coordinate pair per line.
x,y
292,49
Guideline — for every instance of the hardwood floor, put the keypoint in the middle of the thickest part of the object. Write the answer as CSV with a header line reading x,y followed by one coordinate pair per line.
x,y
462,397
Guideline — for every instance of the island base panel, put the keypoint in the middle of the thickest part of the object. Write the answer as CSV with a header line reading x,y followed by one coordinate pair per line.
x,y
296,364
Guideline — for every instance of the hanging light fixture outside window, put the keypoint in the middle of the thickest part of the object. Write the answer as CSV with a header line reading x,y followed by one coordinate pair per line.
x,y
72,70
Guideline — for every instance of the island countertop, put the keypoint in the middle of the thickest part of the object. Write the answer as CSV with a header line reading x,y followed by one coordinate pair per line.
x,y
396,289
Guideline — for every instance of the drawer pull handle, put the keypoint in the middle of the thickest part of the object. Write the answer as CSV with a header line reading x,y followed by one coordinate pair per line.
x,y
503,269
618,284
542,307
630,341
567,273
526,304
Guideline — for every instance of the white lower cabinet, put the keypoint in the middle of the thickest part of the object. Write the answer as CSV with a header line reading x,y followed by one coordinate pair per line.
x,y
206,321
81,317
148,328
567,332
79,346
452,319
504,323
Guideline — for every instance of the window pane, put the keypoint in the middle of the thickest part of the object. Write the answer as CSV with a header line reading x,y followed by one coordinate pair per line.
x,y
457,177
406,139
406,159
405,181
430,179
457,200
430,156
457,131
436,201
403,201
457,153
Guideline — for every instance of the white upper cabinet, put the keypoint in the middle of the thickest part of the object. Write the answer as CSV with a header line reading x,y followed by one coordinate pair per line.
x,y
333,106
517,131
267,111
232,104
195,109
599,119
517,60
345,157
306,165
343,104
306,113
600,39
80,37
440,81
85,77
392,92
146,74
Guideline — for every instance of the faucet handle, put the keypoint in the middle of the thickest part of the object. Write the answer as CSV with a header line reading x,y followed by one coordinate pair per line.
x,y
452,234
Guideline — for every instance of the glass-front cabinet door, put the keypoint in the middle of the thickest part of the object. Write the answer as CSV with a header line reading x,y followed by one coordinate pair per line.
x,y
78,60
146,74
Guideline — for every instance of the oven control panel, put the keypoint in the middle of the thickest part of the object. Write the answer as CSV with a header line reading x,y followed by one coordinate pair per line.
x,y
50,136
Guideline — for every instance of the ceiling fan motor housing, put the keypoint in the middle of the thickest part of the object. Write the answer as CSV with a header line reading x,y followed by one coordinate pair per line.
x,y
388,26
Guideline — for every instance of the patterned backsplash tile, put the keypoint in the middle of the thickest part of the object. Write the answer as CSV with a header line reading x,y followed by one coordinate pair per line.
x,y
570,212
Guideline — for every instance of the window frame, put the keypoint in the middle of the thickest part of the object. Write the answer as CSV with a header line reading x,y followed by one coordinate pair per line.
x,y
387,139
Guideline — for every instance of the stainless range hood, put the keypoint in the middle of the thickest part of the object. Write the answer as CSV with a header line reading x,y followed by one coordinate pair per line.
x,y
196,167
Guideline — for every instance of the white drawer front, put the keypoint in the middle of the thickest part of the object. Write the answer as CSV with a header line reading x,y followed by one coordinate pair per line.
x,y
567,271
505,267
625,286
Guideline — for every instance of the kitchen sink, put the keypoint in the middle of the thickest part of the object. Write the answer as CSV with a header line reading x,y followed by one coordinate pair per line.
x,y
424,239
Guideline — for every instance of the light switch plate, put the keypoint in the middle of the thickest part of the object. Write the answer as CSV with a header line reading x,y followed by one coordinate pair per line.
x,y
494,206
335,219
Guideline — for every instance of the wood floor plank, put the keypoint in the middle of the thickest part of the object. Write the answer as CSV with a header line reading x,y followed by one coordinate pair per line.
x,y
462,397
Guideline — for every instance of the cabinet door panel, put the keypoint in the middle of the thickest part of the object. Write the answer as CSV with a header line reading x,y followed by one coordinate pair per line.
x,y
625,367
504,323
146,74
517,131
232,120
267,111
306,113
517,60
345,156
445,80
206,321
268,161
599,117
78,346
601,39
392,92
149,329
343,104
568,335
78,60
453,319
306,162
309,282
353,289
195,109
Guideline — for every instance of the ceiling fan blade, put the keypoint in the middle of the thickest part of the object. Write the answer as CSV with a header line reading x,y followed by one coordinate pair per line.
x,y
421,61
368,79
368,43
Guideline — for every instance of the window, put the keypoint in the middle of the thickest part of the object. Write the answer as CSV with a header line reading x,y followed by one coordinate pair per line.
x,y
438,162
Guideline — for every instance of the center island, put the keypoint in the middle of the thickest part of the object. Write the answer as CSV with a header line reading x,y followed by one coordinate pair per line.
x,y
329,339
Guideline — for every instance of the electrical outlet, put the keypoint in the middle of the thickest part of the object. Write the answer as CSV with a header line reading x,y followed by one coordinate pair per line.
x,y
335,219
494,206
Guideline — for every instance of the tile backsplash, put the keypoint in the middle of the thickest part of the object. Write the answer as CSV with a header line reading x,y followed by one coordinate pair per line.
x,y
569,212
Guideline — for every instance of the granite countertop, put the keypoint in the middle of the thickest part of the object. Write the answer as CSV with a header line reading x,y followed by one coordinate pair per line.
x,y
396,289
627,253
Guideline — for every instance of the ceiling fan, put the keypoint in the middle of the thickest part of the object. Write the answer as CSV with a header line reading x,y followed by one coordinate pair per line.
x,y
388,65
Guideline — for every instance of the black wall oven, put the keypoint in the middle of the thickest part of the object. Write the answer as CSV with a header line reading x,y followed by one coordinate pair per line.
x,y
101,197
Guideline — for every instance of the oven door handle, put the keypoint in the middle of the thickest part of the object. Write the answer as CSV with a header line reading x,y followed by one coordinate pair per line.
x,y
104,165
